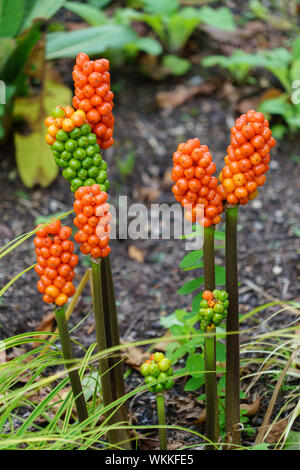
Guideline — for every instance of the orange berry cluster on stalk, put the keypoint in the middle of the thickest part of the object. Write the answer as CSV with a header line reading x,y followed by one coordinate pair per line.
x,y
56,262
94,97
63,118
92,219
247,158
194,182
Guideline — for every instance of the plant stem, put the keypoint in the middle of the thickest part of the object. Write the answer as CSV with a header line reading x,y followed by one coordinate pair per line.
x,y
102,320
113,339
232,400
212,417
68,356
160,400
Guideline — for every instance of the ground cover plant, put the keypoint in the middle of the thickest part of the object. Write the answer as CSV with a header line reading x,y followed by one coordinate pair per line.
x,y
226,373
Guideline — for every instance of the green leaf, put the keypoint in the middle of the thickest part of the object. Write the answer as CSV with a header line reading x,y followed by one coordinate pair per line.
x,y
220,275
279,105
296,48
170,320
219,235
191,258
220,352
7,46
11,15
190,286
195,364
148,45
100,3
92,41
196,303
43,219
175,64
295,70
42,10
194,383
161,7
89,13
34,160
220,18
180,29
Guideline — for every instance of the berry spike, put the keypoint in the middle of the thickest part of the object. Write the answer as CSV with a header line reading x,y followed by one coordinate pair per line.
x,y
75,148
94,97
247,158
194,182
92,219
55,262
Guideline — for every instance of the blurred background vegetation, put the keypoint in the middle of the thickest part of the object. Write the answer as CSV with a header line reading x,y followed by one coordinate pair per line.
x,y
157,39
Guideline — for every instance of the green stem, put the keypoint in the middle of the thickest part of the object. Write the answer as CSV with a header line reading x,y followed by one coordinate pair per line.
x,y
232,400
160,400
68,357
103,335
212,417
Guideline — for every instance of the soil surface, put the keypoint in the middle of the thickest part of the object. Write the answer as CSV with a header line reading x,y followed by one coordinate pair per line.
x,y
146,290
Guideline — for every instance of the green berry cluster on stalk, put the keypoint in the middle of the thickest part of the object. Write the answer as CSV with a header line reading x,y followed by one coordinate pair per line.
x,y
78,153
158,368
213,309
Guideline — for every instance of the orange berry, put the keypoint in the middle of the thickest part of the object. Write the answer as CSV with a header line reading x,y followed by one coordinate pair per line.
x,y
229,184
41,287
52,291
61,299
48,299
65,232
239,179
49,139
68,125
49,121
53,262
59,282
64,270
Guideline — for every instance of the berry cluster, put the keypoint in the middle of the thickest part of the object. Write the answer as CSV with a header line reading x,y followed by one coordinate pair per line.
x,y
158,367
92,219
75,149
56,262
213,308
194,184
247,158
94,97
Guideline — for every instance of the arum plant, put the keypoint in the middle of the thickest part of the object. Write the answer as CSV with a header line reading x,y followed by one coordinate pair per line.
x,y
55,266
157,372
246,163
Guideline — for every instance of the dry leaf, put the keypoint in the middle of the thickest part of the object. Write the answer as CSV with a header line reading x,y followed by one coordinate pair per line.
x,y
2,357
149,194
253,103
162,345
178,96
136,254
135,357
251,409
276,431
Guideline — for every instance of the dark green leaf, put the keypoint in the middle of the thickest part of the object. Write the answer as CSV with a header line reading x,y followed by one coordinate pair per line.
x,y
89,13
175,64
195,364
220,275
11,15
194,383
161,7
42,10
191,258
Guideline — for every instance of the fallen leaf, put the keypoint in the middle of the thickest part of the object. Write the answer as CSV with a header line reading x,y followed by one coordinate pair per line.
x,y
234,37
253,103
163,344
2,357
136,254
181,94
135,357
276,431
150,194
253,408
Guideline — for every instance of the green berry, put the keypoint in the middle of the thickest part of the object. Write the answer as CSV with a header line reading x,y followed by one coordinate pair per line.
x,y
164,364
226,303
102,177
93,171
71,145
145,369
74,164
154,370
85,129
97,159
217,319
158,356
92,139
170,371
159,388
90,182
69,174
149,379
76,183
209,314
169,384
162,376
58,112
202,312
75,133
102,187
103,165
87,163
215,293
90,150
61,163
203,304
107,185
218,308
58,146
65,155
83,142
223,295
62,135
79,154
82,173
